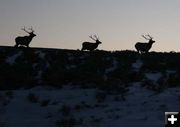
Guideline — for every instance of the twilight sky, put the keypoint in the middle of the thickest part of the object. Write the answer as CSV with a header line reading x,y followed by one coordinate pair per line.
x,y
67,23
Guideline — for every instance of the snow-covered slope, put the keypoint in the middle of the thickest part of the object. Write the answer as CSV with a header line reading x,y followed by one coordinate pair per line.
x,y
70,88
73,106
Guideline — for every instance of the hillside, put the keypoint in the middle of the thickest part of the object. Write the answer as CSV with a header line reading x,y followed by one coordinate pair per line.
x,y
24,68
71,88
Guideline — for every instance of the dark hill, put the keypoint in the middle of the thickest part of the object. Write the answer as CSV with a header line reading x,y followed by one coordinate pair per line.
x,y
27,67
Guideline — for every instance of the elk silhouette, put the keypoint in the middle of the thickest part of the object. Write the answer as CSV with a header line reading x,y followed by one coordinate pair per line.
x,y
144,47
25,41
89,45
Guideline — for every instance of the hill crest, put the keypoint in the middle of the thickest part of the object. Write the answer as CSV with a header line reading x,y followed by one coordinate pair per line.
x,y
22,67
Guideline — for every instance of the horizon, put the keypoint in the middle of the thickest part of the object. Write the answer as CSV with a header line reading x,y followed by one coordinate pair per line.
x,y
99,50
65,24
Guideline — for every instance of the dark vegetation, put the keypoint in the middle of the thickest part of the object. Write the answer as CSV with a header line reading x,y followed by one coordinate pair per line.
x,y
109,71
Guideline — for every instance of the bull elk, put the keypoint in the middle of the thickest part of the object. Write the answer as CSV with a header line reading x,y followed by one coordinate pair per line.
x,y
89,45
142,47
25,40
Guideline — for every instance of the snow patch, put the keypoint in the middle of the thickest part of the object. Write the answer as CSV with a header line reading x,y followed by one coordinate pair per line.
x,y
153,76
41,54
70,56
39,76
137,65
170,72
69,67
11,59
111,69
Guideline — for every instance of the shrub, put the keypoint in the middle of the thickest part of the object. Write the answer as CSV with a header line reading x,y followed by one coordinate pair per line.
x,y
45,103
101,96
65,110
32,98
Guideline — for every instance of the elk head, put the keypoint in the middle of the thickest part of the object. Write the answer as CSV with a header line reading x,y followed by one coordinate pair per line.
x,y
95,38
31,33
149,38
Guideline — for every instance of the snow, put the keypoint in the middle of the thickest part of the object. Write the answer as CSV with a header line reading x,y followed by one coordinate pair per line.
x,y
169,72
41,54
70,56
39,76
137,65
153,76
11,59
141,107
69,67
111,69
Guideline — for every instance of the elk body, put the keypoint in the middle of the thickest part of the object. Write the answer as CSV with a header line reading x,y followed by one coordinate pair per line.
x,y
89,45
144,47
25,40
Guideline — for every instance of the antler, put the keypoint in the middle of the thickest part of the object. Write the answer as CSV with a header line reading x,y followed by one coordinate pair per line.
x,y
24,29
145,36
31,29
150,36
97,38
92,38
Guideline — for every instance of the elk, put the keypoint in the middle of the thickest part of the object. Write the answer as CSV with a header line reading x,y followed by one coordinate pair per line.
x,y
144,47
89,45
25,40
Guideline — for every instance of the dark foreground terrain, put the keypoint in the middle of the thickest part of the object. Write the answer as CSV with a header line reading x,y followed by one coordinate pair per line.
x,y
69,88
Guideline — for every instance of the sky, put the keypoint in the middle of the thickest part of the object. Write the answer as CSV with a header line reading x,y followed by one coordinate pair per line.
x,y
67,23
